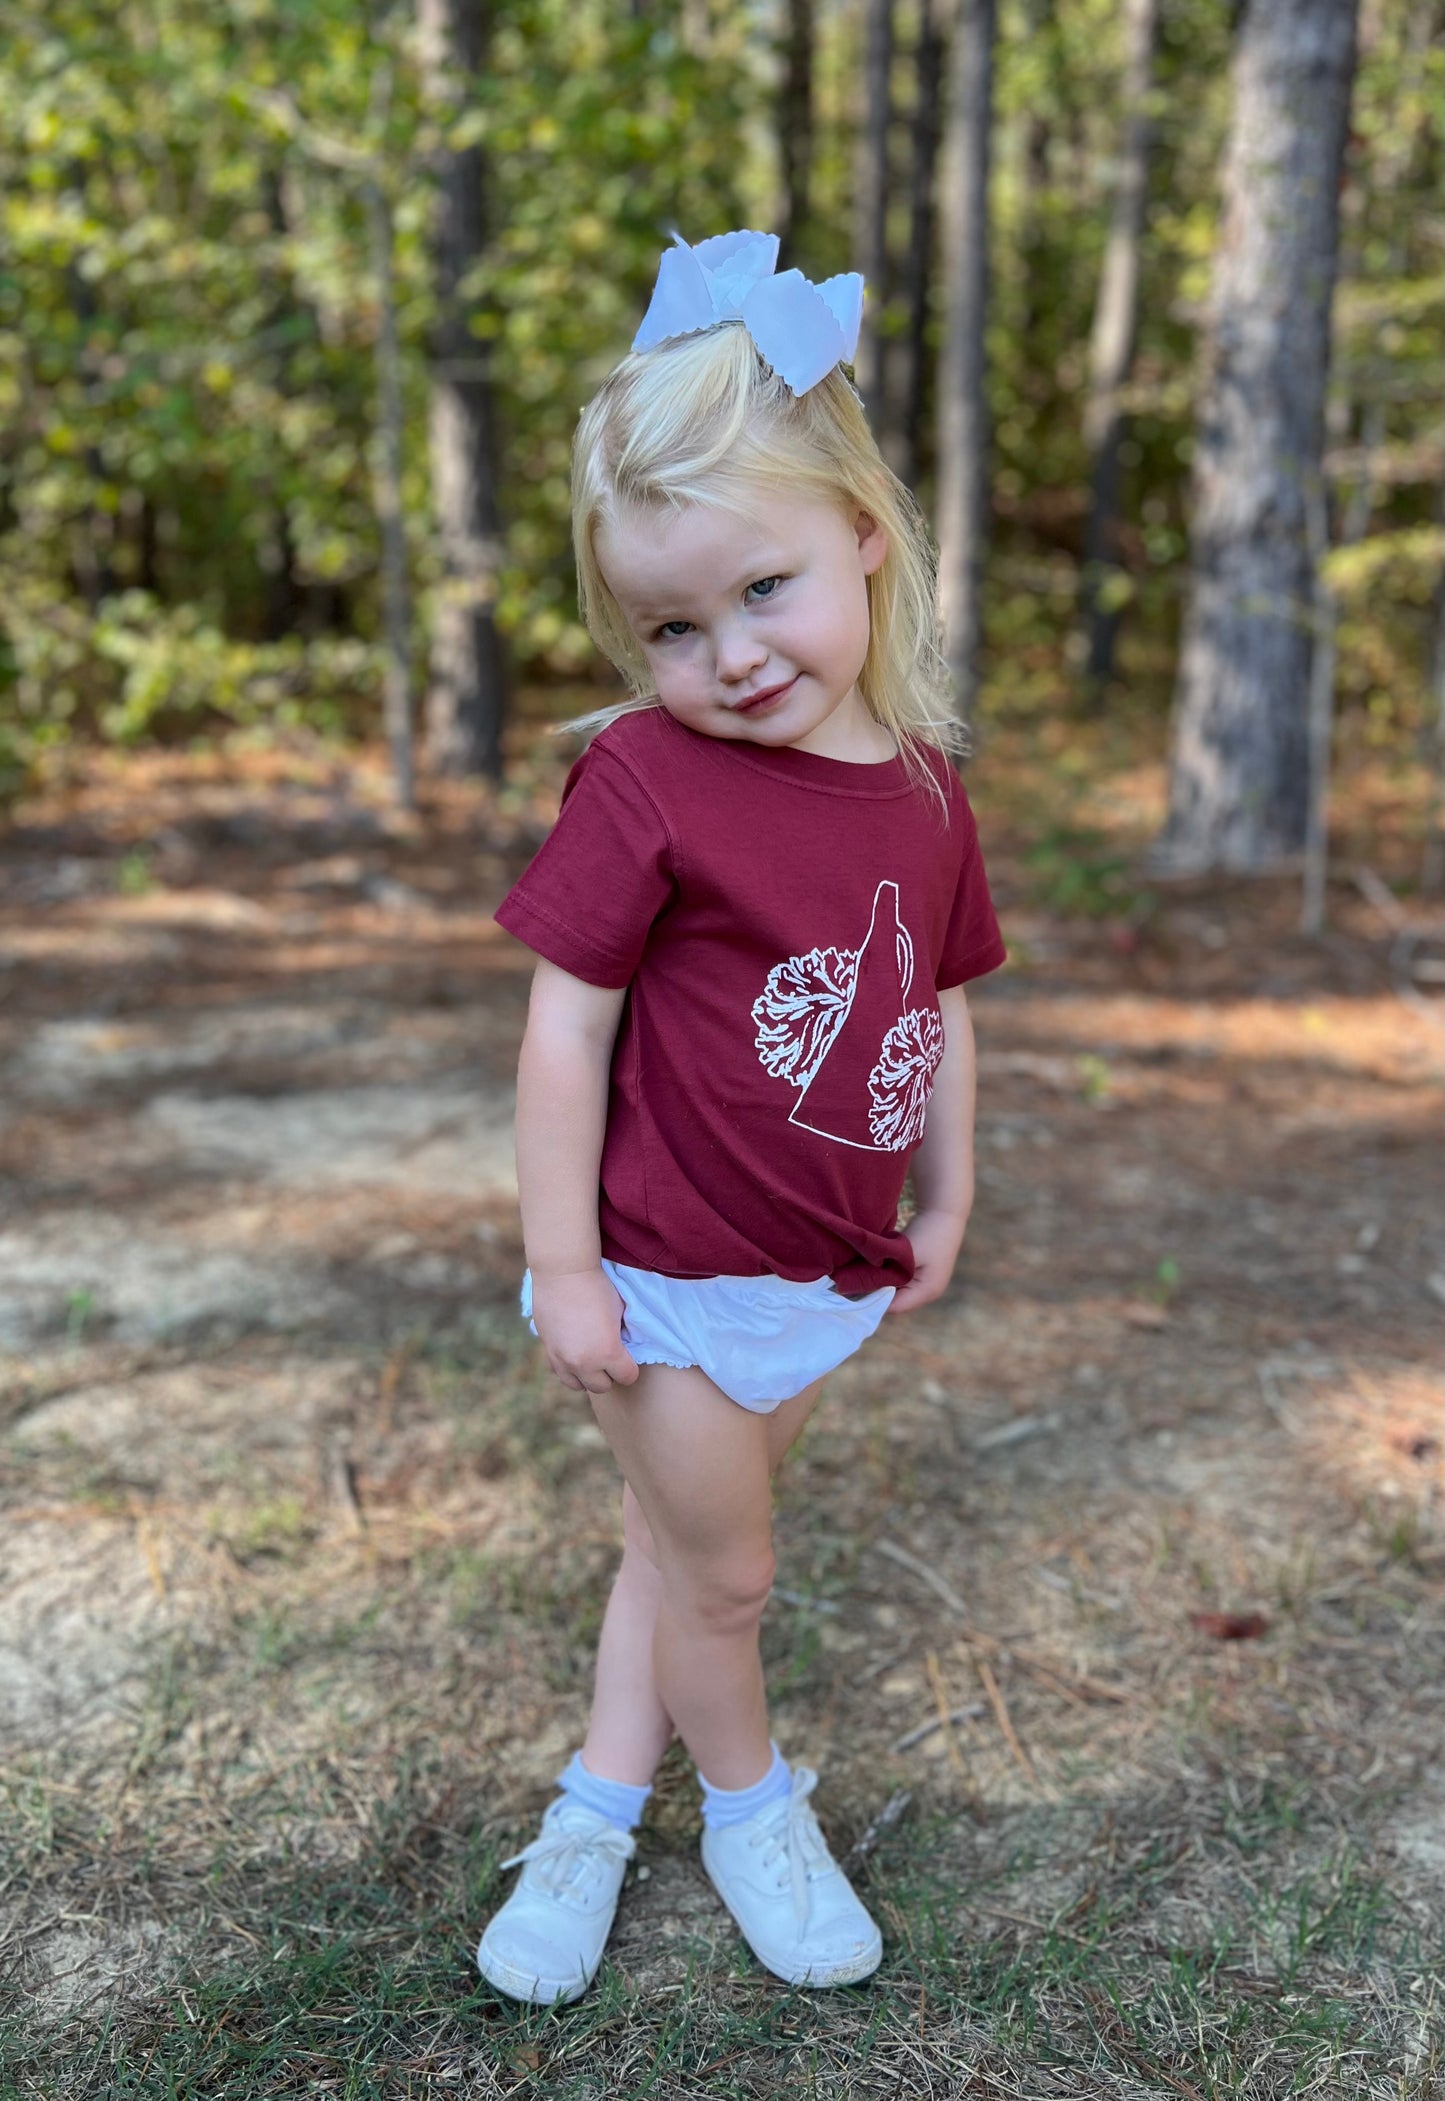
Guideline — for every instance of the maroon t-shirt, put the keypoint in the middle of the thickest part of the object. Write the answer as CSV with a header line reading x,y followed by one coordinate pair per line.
x,y
783,924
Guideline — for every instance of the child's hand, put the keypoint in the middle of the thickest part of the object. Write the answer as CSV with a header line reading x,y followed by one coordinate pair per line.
x,y
579,1320
935,1238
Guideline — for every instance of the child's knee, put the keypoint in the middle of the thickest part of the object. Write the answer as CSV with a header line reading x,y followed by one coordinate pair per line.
x,y
728,1596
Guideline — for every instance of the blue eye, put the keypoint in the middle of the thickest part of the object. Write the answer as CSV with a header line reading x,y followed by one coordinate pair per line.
x,y
668,626
766,586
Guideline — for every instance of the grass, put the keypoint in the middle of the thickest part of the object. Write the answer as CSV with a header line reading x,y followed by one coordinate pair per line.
x,y
298,1726
1217,1948
1226,1935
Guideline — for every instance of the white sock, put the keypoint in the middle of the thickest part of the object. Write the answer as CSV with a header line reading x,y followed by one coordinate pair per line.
x,y
618,1800
722,1806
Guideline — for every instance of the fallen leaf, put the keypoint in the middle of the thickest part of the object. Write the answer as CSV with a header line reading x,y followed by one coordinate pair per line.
x,y
1140,1314
1230,1626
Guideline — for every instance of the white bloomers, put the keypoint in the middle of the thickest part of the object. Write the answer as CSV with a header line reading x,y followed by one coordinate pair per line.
x,y
761,1339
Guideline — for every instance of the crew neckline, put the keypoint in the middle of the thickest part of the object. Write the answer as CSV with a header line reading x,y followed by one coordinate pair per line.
x,y
789,761
810,769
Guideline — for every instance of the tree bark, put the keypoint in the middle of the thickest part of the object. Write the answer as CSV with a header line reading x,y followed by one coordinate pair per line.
x,y
1033,179
962,513
281,614
872,196
795,129
1239,762
1111,348
466,698
906,455
1432,866
396,596
1321,717
93,546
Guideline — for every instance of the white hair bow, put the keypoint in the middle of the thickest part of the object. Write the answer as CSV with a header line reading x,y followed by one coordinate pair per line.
x,y
803,330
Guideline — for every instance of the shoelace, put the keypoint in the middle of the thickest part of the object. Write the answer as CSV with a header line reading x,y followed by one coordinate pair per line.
x,y
558,1852
798,1836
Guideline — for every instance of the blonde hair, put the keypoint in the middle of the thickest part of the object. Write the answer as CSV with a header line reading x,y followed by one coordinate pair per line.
x,y
702,420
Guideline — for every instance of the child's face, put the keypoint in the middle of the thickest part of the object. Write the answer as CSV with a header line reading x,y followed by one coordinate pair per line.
x,y
728,608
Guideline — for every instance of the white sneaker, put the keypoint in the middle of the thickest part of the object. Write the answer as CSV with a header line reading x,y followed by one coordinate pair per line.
x,y
793,1903
545,1943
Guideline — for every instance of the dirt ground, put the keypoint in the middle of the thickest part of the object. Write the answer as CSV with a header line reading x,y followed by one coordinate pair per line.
x,y
1150,1504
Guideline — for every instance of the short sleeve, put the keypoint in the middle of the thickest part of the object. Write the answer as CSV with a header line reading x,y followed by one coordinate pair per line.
x,y
972,944
607,869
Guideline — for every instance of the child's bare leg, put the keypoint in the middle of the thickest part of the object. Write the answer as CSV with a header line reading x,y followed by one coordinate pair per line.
x,y
700,1468
630,1728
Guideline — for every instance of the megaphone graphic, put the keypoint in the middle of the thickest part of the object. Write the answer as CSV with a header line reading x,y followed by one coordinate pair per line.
x,y
836,1102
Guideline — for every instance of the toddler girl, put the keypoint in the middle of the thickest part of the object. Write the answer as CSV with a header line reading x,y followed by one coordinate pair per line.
x,y
754,922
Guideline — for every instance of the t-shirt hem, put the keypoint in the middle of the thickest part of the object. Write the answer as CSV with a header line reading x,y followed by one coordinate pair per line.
x,y
553,939
977,965
895,1273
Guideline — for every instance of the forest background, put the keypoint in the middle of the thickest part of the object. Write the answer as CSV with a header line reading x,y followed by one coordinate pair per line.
x,y
1108,1601
215,218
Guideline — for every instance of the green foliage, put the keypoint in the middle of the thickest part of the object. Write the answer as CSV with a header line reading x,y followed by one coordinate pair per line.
x,y
173,663
187,319
188,314
602,131
1389,310
1072,871
1094,1076
79,1307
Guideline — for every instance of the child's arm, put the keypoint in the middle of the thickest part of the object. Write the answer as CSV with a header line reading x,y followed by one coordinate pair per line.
x,y
943,1164
561,1118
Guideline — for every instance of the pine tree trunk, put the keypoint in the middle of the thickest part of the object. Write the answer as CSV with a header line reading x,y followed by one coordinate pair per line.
x,y
396,594
1239,766
1033,180
466,698
93,546
907,459
1432,742
281,613
872,195
795,130
962,512
1111,348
